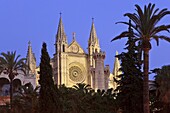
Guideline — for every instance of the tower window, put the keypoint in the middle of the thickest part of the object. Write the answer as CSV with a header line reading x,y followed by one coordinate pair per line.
x,y
63,48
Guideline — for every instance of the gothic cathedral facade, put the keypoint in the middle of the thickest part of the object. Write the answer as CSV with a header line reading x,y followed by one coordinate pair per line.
x,y
71,64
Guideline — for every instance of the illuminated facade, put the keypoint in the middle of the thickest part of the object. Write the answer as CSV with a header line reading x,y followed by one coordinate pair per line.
x,y
72,65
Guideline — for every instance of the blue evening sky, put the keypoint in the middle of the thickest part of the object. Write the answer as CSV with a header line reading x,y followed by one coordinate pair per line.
x,y
37,21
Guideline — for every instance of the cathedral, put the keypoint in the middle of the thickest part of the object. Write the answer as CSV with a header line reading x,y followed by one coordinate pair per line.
x,y
72,64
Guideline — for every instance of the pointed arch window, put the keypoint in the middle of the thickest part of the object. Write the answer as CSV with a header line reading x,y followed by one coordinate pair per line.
x,y
63,48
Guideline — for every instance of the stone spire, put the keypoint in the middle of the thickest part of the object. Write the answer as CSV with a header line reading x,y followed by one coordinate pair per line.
x,y
30,60
61,39
93,40
116,71
61,36
93,44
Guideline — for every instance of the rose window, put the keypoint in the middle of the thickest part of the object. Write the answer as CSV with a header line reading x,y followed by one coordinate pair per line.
x,y
75,74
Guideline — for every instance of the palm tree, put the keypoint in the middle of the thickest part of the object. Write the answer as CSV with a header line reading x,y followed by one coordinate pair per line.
x,y
11,65
145,26
82,87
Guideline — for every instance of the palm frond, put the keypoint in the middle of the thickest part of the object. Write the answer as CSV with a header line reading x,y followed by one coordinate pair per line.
x,y
20,62
2,60
156,10
152,9
133,17
139,11
122,35
159,29
163,12
162,37
156,38
5,56
16,59
11,63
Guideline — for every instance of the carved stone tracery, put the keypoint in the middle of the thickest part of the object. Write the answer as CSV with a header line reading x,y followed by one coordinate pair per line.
x,y
76,74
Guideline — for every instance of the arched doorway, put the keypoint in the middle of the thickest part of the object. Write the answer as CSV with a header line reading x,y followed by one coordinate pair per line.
x,y
16,85
4,87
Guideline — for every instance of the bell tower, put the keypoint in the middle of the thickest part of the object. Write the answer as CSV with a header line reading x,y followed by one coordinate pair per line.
x,y
61,39
60,53
93,44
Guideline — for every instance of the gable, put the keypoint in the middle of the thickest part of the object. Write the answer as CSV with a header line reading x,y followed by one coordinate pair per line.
x,y
74,47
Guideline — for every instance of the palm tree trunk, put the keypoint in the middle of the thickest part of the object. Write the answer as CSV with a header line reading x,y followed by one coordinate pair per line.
x,y
145,81
11,93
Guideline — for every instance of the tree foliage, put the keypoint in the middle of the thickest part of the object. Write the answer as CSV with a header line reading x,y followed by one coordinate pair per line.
x,y
12,65
162,80
74,100
81,99
130,84
26,99
48,98
146,27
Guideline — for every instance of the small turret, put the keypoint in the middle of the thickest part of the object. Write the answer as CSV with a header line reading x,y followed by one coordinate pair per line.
x,y
30,60
99,79
106,75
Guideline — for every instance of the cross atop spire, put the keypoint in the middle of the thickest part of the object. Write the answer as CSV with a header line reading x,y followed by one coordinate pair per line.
x,y
60,14
74,36
93,36
61,36
29,43
92,20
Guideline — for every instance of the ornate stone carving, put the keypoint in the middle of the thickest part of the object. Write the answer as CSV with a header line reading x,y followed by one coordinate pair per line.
x,y
76,74
75,48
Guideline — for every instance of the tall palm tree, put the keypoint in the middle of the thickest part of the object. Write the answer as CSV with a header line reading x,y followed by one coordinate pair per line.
x,y
11,65
145,26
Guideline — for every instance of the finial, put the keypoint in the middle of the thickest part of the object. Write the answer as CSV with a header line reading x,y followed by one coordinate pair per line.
x,y
60,14
92,19
29,43
117,53
74,35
